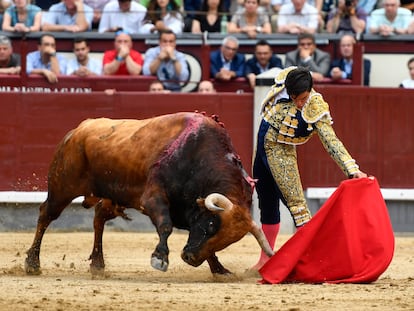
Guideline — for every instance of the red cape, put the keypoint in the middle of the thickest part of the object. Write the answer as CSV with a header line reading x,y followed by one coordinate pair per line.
x,y
349,240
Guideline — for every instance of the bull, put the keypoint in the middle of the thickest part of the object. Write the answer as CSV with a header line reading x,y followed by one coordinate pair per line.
x,y
180,170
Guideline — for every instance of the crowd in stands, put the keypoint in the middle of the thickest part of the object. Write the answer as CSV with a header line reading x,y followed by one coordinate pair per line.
x,y
385,17
168,18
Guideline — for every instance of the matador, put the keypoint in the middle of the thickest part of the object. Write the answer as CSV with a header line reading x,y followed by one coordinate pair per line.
x,y
292,112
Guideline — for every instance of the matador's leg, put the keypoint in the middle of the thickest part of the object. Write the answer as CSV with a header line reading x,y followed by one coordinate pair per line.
x,y
282,160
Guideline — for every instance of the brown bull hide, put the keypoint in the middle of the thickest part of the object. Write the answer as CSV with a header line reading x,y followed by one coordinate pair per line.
x,y
159,166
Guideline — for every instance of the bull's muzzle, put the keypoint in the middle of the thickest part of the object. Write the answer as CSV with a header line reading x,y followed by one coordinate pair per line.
x,y
190,258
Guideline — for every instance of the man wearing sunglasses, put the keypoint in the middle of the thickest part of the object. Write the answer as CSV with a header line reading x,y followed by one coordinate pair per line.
x,y
309,56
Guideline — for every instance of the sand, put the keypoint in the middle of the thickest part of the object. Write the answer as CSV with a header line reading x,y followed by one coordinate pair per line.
x,y
130,283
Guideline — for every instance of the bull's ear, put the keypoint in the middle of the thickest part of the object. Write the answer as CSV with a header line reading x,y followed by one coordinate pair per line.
x,y
200,202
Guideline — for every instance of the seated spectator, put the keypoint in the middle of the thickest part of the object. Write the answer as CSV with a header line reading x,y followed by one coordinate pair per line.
x,y
309,56
341,68
9,61
209,16
409,83
68,15
196,10
226,63
297,17
347,18
206,87
45,61
165,62
122,60
262,61
22,17
390,20
124,15
250,20
264,6
162,15
97,7
83,65
157,87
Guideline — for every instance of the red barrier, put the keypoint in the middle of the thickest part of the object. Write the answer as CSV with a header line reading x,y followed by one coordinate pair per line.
x,y
31,124
375,125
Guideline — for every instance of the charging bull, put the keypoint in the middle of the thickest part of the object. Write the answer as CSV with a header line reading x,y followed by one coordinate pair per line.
x,y
180,170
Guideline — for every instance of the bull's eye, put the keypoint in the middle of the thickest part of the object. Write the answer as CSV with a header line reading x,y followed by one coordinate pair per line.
x,y
211,227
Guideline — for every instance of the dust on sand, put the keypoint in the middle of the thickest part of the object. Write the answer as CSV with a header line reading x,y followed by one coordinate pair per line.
x,y
130,283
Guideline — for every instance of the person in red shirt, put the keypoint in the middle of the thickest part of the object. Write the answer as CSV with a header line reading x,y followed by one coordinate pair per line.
x,y
123,60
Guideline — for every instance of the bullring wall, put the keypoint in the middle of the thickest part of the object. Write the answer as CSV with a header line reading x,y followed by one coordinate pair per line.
x,y
374,124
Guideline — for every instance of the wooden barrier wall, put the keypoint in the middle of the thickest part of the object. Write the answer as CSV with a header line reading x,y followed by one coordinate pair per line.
x,y
375,125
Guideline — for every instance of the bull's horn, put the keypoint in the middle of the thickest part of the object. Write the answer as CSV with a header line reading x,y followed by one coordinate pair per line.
x,y
217,202
260,237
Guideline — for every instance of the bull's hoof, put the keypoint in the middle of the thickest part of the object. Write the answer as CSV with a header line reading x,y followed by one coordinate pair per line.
x,y
159,264
97,272
31,268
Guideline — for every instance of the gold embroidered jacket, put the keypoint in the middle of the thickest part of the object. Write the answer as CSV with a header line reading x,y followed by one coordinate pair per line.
x,y
295,126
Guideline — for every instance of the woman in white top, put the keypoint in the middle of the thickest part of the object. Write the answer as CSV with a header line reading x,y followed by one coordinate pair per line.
x,y
162,15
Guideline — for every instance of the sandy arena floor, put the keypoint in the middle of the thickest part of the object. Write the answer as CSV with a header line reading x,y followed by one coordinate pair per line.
x,y
132,284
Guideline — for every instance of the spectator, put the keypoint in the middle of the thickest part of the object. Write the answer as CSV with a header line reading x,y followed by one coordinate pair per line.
x,y
22,17
165,62
347,17
297,17
390,20
157,87
97,7
309,56
341,68
262,61
124,15
9,61
409,83
250,20
226,63
206,87
83,65
198,9
162,15
68,15
209,17
264,6
122,60
45,61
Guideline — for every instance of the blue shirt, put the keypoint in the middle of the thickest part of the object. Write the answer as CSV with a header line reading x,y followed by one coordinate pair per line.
x,y
93,65
58,15
166,70
34,61
31,10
